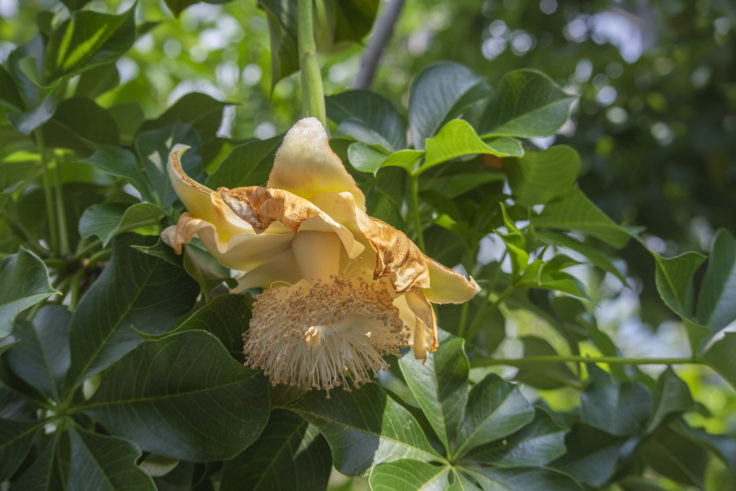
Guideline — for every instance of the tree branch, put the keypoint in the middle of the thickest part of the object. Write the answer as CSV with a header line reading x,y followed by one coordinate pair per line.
x,y
373,52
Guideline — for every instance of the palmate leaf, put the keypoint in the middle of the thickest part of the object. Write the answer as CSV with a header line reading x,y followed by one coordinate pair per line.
x,y
496,479
440,385
289,454
365,427
411,474
182,396
16,437
43,474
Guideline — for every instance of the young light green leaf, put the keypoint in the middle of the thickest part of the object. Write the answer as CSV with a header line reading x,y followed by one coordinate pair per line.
x,y
364,428
576,213
368,117
104,462
365,158
674,278
86,40
106,220
289,454
182,396
539,177
515,245
457,138
410,474
717,299
247,164
25,281
496,408
527,104
136,292
439,93
440,385
406,159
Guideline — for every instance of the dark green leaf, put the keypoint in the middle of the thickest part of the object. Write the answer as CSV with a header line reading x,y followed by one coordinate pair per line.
x,y
439,93
248,164
671,398
717,299
351,20
68,130
723,446
620,408
28,121
25,281
538,177
527,104
409,474
367,117
177,6
496,409
86,40
205,270
183,396
15,440
521,478
720,357
536,444
121,163
97,81
289,454
457,138
43,474
41,357
109,219
128,117
440,385
364,428
9,95
104,463
591,455
576,213
676,457
75,4
543,375
282,30
674,277
136,292
594,254
153,149
201,112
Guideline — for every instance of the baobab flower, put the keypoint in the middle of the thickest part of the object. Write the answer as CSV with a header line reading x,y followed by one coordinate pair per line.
x,y
341,289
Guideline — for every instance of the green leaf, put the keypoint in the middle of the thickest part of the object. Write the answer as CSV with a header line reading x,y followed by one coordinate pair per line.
x,y
201,112
717,298
495,479
620,408
349,20
43,474
671,399
674,278
182,396
9,95
67,130
153,149
364,428
539,177
409,474
97,81
595,255
527,104
289,454
440,385
406,159
723,446
574,212
515,244
248,164
110,219
25,281
721,359
121,163
457,138
27,121
367,117
496,409
543,375
75,4
135,293
16,437
86,40
177,6
439,93
676,457
592,454
365,158
282,30
205,270
41,357
104,463
536,444
227,317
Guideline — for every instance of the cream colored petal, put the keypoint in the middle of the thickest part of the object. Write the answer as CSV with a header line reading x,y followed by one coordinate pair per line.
x,y
201,201
263,207
419,318
306,166
397,257
447,286
280,268
241,252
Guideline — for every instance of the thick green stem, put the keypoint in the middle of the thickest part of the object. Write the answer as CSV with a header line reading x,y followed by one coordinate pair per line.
x,y
587,359
63,235
415,205
313,97
48,194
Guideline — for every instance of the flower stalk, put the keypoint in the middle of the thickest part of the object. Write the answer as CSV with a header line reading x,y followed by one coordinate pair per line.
x,y
47,193
313,98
